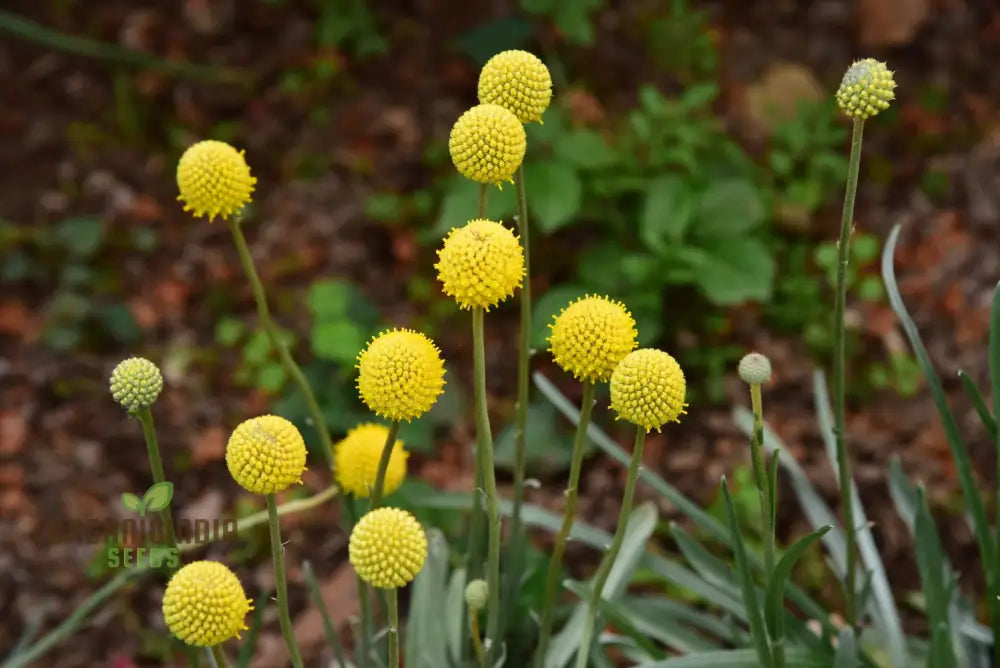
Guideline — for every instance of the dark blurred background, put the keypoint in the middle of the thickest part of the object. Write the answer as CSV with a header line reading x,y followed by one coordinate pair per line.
x,y
692,164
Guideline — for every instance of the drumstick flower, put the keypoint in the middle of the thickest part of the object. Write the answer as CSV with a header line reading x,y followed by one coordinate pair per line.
x,y
487,144
204,604
518,81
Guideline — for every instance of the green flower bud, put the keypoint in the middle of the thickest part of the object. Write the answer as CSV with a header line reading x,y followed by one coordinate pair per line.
x,y
867,88
476,594
754,369
136,383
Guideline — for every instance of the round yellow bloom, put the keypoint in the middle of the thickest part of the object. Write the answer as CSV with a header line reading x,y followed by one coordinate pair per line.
x,y
591,336
480,264
266,454
387,548
136,383
214,179
400,374
205,604
647,389
356,457
867,88
487,144
518,81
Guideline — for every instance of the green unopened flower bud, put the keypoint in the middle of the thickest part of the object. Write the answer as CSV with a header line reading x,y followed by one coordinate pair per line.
x,y
136,383
754,369
867,88
476,594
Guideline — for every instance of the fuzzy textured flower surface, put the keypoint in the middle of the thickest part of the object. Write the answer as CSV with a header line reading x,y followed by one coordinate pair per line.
x,y
487,144
480,264
591,336
387,548
136,383
266,454
648,388
400,374
867,88
754,369
205,604
518,81
356,457
214,179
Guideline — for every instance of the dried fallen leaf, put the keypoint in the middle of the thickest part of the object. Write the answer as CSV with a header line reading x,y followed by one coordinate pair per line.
x,y
209,446
13,431
891,22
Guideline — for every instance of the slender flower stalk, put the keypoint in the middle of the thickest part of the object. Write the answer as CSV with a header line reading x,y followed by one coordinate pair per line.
x,y
608,561
484,440
559,548
280,585
383,465
392,603
273,335
156,467
219,656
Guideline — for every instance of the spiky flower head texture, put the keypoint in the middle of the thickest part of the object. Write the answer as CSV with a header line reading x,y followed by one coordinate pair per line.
x,y
214,179
867,88
487,144
387,548
591,336
648,388
518,81
204,604
480,264
136,383
266,454
356,458
400,374
477,593
754,369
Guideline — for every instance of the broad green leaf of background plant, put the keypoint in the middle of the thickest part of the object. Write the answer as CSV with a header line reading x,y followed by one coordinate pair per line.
x,y
731,270
727,208
585,149
555,194
547,307
338,341
461,204
667,211
158,496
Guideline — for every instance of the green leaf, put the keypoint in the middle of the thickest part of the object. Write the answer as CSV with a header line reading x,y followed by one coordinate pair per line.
x,y
158,496
727,208
461,204
774,599
271,376
337,340
131,501
707,565
573,21
934,578
426,640
585,149
80,236
554,192
228,331
547,307
481,42
847,650
551,448
994,363
454,621
329,299
621,619
732,271
758,632
959,451
740,658
666,212
119,322
977,401
674,624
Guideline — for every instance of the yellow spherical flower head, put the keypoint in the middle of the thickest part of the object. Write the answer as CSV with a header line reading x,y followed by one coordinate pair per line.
x,y
214,179
205,604
387,548
400,374
480,264
266,454
647,389
867,88
518,81
136,383
591,336
487,144
356,457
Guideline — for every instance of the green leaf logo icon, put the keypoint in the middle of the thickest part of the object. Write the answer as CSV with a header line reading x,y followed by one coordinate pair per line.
x,y
158,496
132,502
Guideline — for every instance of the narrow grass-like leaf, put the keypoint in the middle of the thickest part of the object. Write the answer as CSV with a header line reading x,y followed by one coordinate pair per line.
x,y
454,620
774,599
959,452
676,625
426,637
877,585
847,650
707,565
740,658
758,632
933,576
977,401
625,622
332,637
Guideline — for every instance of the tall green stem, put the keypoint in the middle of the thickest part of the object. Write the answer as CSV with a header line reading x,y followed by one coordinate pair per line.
x,y
839,371
278,557
517,538
586,639
383,466
572,489
220,657
392,603
484,439
156,467
273,335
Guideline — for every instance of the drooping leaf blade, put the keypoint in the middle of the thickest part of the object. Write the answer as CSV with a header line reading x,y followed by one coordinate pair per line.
x,y
774,599
426,638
